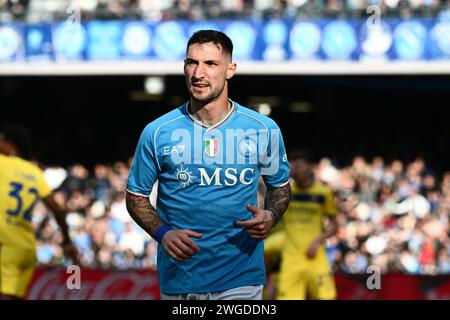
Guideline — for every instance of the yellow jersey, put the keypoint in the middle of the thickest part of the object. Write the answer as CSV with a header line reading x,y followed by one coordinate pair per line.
x,y
22,184
303,220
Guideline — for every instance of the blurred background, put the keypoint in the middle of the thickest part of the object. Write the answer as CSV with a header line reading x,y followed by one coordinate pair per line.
x,y
365,85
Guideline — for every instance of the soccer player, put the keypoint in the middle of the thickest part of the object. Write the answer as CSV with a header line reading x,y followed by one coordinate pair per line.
x,y
305,270
22,184
207,156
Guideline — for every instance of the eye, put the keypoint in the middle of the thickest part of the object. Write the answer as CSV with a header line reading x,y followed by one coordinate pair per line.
x,y
190,62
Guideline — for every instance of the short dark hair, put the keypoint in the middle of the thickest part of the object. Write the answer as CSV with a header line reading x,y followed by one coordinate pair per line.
x,y
216,37
18,136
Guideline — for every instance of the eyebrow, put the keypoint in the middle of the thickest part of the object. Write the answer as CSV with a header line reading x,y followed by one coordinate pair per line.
x,y
206,61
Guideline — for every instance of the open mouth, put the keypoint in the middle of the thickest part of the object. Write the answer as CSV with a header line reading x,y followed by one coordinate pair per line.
x,y
199,85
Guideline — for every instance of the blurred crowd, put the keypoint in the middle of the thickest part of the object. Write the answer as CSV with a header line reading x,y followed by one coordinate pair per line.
x,y
51,10
98,221
401,223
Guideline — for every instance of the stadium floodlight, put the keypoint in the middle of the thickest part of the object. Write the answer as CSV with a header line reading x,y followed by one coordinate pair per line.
x,y
154,85
264,108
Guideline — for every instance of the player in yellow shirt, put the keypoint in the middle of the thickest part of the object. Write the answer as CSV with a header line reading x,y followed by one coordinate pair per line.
x,y
22,184
305,270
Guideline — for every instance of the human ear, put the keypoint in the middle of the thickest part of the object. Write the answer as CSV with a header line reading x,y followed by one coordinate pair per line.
x,y
231,71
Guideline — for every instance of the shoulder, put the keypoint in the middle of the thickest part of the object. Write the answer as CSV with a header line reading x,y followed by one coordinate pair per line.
x,y
247,114
32,167
23,165
3,158
5,163
322,188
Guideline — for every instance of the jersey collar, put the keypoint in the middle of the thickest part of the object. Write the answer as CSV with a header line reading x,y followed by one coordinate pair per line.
x,y
215,125
311,184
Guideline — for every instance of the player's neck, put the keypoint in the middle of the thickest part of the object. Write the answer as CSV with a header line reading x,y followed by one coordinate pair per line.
x,y
305,184
11,151
211,113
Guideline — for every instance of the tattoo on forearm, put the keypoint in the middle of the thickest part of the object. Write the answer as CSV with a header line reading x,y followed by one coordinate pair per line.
x,y
143,213
277,201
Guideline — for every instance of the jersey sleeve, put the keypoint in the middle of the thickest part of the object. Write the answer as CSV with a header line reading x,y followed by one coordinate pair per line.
x,y
144,169
329,205
275,168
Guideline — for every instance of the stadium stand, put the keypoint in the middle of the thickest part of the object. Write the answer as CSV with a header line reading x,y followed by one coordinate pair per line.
x,y
51,10
401,224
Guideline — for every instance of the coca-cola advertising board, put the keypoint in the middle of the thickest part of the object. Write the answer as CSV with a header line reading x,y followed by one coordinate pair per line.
x,y
61,284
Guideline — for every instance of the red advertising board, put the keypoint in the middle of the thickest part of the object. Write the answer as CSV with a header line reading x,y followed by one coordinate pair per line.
x,y
55,284
393,287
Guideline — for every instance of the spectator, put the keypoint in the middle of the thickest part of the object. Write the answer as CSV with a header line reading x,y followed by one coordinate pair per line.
x,y
76,180
39,11
401,224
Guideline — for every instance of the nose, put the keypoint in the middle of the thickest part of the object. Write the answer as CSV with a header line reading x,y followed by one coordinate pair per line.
x,y
199,71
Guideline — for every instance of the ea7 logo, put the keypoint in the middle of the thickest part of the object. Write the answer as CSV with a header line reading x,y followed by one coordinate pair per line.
x,y
230,177
178,149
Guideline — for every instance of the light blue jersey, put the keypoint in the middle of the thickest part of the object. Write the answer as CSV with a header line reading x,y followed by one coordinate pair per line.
x,y
207,176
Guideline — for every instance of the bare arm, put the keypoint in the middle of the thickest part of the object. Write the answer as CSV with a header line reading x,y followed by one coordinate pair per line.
x,y
143,213
60,215
177,243
330,231
277,201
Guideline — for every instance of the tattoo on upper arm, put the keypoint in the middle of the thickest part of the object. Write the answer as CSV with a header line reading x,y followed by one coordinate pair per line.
x,y
143,213
277,201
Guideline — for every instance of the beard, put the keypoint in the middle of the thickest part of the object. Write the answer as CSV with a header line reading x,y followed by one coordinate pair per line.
x,y
204,100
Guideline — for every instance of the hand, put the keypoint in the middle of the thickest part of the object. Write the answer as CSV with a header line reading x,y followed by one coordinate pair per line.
x,y
70,251
260,226
313,249
178,244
